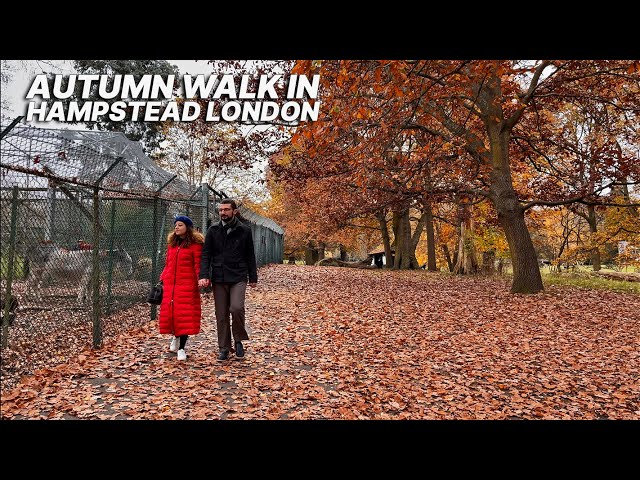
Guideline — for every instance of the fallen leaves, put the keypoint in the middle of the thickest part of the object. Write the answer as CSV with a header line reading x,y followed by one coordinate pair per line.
x,y
335,343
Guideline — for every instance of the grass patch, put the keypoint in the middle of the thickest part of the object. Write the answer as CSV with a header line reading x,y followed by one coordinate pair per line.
x,y
577,280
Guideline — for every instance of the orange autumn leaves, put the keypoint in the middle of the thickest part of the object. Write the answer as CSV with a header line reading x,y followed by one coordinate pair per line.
x,y
340,343
396,134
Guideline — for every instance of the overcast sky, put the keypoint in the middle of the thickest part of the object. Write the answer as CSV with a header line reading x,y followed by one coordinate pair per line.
x,y
24,73
23,76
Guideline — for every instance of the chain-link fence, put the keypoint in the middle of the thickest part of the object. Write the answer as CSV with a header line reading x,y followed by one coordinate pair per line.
x,y
85,216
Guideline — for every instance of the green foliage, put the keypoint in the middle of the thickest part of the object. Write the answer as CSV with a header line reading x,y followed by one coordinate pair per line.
x,y
19,267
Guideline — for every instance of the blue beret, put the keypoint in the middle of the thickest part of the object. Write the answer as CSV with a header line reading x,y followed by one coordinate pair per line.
x,y
184,219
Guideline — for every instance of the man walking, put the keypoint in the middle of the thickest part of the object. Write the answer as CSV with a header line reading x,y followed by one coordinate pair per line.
x,y
229,262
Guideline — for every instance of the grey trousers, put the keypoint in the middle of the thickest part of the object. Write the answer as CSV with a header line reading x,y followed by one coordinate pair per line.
x,y
230,314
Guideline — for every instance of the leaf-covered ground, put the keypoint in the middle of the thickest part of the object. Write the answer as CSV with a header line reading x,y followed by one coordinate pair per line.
x,y
341,343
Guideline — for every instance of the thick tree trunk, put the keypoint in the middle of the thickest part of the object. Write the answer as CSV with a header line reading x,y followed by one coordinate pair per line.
x,y
321,253
343,253
526,273
405,255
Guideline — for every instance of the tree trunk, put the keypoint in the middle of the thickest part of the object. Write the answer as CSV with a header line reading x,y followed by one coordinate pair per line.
x,y
411,240
488,262
397,226
467,261
310,254
405,257
321,248
447,255
431,242
415,238
292,259
566,232
526,273
627,198
386,240
593,229
343,253
454,261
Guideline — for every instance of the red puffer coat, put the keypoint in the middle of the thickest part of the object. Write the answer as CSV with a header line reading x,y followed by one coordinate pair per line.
x,y
180,308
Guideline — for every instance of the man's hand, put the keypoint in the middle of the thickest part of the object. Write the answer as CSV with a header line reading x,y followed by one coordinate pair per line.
x,y
204,282
252,284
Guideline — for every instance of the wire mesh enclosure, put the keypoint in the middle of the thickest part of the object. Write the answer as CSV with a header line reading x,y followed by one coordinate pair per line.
x,y
85,216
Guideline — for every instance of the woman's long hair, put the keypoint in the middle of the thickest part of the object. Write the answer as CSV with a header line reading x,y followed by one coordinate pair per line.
x,y
191,236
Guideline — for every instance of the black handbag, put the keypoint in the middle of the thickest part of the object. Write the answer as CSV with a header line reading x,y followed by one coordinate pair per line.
x,y
155,295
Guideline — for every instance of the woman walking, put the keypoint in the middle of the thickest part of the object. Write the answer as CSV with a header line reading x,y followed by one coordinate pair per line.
x,y
180,310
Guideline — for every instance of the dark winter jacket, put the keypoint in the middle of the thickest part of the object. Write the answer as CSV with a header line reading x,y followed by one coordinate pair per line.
x,y
229,257
180,310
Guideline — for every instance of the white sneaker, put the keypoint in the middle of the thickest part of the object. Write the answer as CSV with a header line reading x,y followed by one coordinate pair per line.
x,y
182,355
175,345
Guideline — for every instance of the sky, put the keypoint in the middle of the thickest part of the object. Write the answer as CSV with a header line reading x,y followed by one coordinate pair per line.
x,y
22,78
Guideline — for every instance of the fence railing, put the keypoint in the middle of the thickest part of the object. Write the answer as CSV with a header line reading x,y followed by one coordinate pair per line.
x,y
84,228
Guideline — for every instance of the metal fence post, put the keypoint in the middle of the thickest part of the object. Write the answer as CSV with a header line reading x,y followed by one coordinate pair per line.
x,y
205,208
13,124
8,303
154,253
156,241
110,267
95,271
